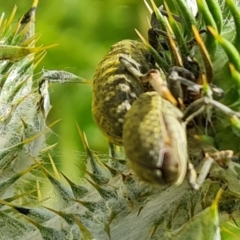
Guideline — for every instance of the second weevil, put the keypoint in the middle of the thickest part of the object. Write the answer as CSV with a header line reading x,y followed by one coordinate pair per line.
x,y
115,88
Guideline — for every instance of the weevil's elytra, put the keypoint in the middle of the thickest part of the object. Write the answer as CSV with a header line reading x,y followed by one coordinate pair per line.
x,y
154,139
115,88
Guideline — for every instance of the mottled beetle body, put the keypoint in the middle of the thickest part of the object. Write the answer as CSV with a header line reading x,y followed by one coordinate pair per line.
x,y
154,139
115,88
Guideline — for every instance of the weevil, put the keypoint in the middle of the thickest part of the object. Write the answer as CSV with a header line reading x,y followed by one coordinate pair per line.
x,y
115,88
154,134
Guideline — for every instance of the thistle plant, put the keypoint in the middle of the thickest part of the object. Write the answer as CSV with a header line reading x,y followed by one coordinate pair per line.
x,y
110,201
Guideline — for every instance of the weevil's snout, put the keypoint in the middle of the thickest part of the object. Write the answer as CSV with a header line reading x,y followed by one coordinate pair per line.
x,y
171,168
167,173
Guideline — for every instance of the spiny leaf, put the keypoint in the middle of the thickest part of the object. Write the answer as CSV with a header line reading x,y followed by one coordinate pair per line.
x,y
18,226
39,214
39,194
27,140
96,178
6,25
64,192
97,174
38,58
47,232
85,232
27,22
78,190
7,158
63,77
66,216
204,225
113,171
92,206
15,197
17,88
48,148
15,53
54,167
8,182
30,42
107,228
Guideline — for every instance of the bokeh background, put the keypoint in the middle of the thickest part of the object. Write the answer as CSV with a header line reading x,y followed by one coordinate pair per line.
x,y
84,31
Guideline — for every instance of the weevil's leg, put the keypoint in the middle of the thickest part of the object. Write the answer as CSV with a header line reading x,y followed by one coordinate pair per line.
x,y
223,108
216,90
200,105
159,85
222,158
195,181
192,112
153,76
155,42
131,65
192,175
179,75
177,72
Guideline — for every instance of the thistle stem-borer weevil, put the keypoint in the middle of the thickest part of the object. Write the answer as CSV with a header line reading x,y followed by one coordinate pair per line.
x,y
154,132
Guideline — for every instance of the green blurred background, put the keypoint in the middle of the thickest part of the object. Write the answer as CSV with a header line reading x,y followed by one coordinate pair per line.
x,y
84,30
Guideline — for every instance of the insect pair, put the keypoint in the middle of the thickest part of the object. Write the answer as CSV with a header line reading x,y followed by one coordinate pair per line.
x,y
133,107
154,131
